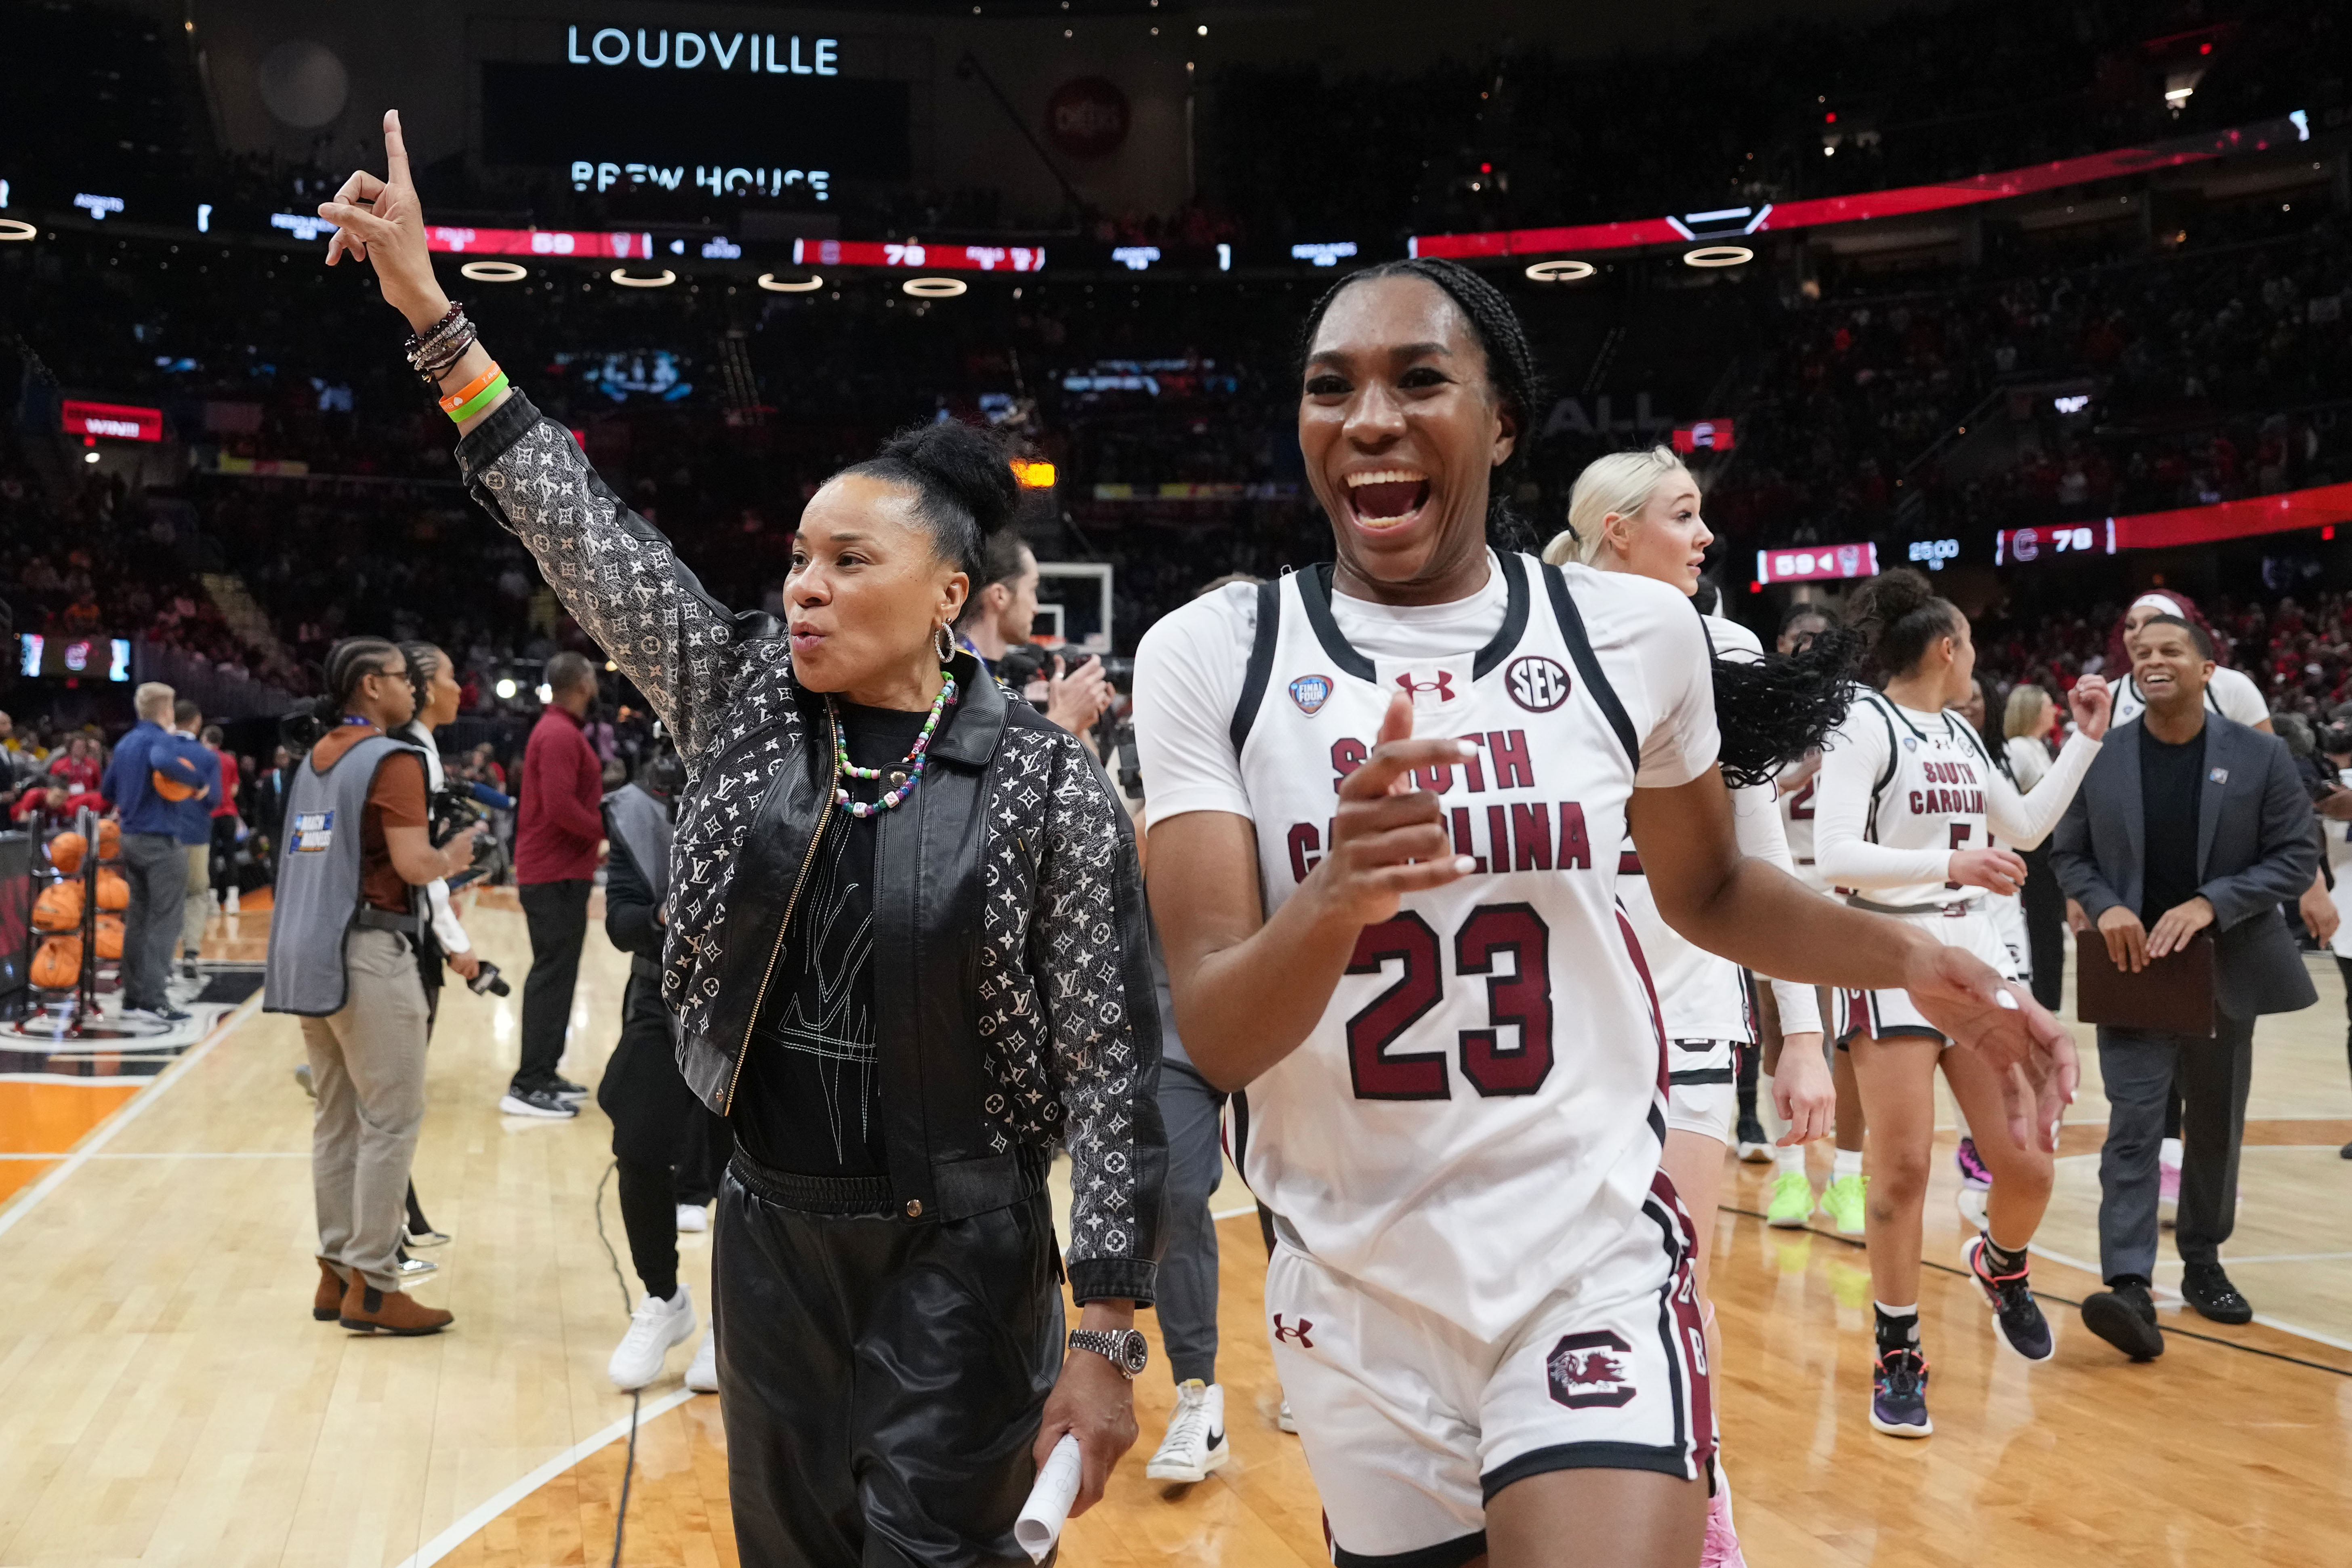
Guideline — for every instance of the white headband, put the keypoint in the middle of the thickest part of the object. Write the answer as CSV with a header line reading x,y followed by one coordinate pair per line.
x,y
2168,606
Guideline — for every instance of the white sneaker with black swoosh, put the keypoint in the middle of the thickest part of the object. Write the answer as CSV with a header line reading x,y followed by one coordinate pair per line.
x,y
1195,1443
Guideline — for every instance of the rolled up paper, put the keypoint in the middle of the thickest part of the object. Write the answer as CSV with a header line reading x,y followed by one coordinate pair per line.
x,y
1042,1517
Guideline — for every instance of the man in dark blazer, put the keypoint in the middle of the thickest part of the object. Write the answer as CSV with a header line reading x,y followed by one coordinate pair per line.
x,y
2186,822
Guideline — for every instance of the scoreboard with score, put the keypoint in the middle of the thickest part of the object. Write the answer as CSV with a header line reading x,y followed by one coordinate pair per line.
x,y
1816,563
940,257
2026,545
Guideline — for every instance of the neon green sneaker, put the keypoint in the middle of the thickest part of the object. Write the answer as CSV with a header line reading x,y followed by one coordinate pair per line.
x,y
1842,1201
1793,1200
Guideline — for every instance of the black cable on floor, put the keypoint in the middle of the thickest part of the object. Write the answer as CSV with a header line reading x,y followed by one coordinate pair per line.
x,y
628,1465
2061,1301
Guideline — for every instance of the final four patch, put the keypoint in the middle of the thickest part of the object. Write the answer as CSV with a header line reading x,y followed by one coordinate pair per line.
x,y
1310,692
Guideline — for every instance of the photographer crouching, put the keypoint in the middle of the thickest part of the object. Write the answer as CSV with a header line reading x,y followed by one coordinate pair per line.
x,y
342,957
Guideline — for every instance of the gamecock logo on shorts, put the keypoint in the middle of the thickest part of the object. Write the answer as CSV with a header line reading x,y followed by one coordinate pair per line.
x,y
1536,683
1588,1370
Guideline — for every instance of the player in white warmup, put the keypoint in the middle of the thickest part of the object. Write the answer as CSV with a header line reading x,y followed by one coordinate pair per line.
x,y
1638,513
1907,796
1401,954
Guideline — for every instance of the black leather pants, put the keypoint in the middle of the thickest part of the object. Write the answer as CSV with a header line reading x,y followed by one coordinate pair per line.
x,y
882,1380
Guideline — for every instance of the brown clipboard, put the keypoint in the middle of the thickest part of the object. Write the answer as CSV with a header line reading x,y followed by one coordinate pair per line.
x,y
2174,994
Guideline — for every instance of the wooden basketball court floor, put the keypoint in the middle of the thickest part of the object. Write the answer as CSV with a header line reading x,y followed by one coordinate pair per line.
x,y
165,1398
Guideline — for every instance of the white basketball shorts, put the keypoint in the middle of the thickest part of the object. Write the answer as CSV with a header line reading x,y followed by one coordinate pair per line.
x,y
1703,1086
1886,1015
1411,1423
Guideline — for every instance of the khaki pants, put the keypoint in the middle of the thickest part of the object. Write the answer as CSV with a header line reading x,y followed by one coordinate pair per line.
x,y
195,900
367,1064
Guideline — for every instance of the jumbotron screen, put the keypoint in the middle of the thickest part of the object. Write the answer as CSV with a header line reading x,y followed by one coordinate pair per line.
x,y
678,124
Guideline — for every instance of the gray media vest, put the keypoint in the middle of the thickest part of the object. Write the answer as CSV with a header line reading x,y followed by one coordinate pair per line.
x,y
319,895
642,825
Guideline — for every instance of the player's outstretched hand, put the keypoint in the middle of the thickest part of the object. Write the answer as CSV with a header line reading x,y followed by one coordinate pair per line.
x,y
1979,1011
1802,1091
1389,838
381,223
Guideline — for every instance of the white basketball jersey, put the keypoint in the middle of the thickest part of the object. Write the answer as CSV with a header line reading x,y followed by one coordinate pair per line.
x,y
1929,795
1797,824
1481,1109
2339,836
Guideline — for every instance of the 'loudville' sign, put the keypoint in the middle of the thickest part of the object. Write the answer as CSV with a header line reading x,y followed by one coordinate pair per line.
x,y
660,48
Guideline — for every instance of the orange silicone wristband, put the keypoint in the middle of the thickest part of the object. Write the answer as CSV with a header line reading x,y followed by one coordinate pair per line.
x,y
457,399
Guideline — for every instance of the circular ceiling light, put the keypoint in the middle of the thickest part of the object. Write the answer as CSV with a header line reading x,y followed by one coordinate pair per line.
x,y
496,271
934,287
1561,271
16,228
776,285
1718,256
621,274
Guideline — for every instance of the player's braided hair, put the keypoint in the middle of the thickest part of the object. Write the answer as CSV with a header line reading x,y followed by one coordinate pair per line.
x,y
1900,616
1511,370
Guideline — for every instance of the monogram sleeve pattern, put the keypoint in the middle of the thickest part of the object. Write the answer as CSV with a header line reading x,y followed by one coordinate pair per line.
x,y
610,568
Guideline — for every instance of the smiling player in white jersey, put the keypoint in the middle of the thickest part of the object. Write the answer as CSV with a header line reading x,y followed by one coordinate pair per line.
x,y
1908,796
1388,797
1636,514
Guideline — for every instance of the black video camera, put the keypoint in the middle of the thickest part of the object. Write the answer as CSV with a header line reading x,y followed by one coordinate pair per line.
x,y
452,810
486,981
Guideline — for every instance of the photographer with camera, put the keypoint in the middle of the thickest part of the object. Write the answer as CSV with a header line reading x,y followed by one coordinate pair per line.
x,y
343,940
668,1150
994,629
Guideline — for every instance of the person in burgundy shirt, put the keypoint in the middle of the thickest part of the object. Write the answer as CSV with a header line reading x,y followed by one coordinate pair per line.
x,y
560,824
226,824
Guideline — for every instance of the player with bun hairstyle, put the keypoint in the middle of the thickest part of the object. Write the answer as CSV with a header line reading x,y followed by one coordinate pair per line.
x,y
1387,798
906,948
1909,800
1638,513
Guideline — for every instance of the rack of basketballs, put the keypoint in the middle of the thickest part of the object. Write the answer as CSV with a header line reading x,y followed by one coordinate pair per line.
x,y
78,904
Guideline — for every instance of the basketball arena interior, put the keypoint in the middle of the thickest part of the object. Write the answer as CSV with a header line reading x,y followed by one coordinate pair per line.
x,y
1984,371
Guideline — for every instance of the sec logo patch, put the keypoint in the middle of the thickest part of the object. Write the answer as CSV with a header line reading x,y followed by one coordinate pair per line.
x,y
1536,683
1310,692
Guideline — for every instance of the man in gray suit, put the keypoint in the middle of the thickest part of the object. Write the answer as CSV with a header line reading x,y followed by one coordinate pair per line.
x,y
2186,821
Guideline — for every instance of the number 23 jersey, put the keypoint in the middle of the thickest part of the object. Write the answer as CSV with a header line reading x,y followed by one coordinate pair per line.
x,y
1475,1121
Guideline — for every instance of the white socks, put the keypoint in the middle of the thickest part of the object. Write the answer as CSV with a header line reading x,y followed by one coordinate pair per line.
x,y
1848,1163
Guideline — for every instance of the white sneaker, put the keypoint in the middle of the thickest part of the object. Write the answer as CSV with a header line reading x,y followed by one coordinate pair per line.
x,y
1195,1443
703,1376
1283,1418
693,1217
653,1327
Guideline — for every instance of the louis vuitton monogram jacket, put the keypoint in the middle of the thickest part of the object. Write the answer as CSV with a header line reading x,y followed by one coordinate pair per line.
x,y
1013,994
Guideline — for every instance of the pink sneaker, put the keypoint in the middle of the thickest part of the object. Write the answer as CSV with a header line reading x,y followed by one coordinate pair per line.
x,y
2167,1181
1722,1550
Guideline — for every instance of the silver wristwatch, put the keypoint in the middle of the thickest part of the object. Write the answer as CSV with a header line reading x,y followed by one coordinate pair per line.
x,y
1123,1348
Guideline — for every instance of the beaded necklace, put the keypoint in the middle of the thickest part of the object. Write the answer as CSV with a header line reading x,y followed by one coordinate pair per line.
x,y
914,762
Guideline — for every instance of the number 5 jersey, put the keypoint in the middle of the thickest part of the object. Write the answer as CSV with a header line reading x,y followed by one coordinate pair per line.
x,y
1475,1121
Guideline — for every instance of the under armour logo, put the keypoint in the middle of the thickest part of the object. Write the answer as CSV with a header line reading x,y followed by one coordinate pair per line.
x,y
1299,1334
1443,686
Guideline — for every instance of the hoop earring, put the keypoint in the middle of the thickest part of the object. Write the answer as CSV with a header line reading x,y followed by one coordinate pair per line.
x,y
943,645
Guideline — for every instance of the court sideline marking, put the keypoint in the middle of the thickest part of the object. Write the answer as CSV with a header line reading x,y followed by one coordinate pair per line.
x,y
132,1109
466,1528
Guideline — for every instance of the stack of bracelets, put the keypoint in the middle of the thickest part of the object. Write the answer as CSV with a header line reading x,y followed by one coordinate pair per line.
x,y
430,354
475,394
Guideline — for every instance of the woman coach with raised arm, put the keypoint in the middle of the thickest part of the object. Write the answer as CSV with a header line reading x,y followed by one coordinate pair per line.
x,y
906,947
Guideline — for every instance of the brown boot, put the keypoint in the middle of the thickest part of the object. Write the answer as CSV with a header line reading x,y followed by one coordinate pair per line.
x,y
327,1300
371,1310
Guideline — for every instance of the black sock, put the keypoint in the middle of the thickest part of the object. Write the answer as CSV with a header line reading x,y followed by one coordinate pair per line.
x,y
2126,1281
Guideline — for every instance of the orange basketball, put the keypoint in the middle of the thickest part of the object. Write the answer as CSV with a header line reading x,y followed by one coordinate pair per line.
x,y
59,908
171,789
57,966
113,890
109,938
65,851
110,840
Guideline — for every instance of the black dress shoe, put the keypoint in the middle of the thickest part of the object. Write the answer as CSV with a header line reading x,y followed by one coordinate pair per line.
x,y
2126,1318
2207,1289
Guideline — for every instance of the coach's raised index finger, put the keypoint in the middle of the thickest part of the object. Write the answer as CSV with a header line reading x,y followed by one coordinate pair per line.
x,y
395,151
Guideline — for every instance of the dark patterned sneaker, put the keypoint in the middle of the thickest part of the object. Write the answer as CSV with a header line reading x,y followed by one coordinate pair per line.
x,y
2015,1313
2206,1288
1898,1395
